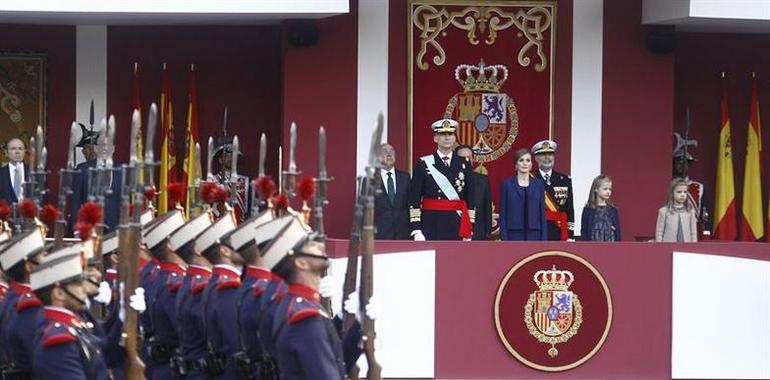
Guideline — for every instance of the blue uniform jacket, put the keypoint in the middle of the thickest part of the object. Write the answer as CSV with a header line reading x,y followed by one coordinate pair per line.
x,y
165,339
62,347
7,309
192,337
221,317
250,300
23,323
276,291
308,345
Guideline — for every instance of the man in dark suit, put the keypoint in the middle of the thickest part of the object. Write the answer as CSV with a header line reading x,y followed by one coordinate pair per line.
x,y
482,197
559,209
80,186
14,173
392,202
440,190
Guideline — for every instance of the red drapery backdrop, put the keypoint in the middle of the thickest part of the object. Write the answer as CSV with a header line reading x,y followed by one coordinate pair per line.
x,y
489,67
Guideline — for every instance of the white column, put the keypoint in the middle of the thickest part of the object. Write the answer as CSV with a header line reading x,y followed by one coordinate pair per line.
x,y
90,73
372,74
586,146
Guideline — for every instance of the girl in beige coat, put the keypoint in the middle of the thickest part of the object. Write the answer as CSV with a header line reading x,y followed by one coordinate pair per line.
x,y
676,220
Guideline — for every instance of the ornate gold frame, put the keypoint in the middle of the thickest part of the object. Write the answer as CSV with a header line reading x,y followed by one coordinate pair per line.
x,y
410,58
504,282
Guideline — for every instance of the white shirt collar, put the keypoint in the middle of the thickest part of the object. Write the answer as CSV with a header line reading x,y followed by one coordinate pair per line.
x,y
442,155
543,172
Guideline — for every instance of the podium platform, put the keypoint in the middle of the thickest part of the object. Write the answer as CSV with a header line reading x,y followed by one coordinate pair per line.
x,y
679,310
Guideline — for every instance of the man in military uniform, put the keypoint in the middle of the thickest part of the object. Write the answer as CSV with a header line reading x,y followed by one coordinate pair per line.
x,y
682,159
190,361
218,295
559,209
223,154
307,343
21,314
165,340
65,347
440,190
80,184
251,360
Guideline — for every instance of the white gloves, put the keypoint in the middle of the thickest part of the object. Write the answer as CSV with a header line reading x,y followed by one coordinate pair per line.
x,y
136,302
105,294
418,236
353,306
326,287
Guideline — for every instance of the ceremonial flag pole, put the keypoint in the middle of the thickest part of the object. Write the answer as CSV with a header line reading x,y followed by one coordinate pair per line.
x,y
725,213
752,218
168,154
192,164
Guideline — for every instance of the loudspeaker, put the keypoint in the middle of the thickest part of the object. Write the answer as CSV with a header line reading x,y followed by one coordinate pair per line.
x,y
303,33
661,39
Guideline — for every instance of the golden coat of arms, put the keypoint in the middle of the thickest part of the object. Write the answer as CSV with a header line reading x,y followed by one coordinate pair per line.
x,y
488,118
553,314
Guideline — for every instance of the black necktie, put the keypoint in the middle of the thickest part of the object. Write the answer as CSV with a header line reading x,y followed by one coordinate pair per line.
x,y
391,188
547,178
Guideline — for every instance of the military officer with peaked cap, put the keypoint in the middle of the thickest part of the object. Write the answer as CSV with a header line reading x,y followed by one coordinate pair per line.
x,y
559,209
440,190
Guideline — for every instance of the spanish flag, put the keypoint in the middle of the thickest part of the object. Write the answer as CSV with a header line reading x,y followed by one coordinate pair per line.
x,y
136,104
167,151
725,213
192,163
752,222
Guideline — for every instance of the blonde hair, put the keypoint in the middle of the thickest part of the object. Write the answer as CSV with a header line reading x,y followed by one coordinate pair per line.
x,y
592,197
670,203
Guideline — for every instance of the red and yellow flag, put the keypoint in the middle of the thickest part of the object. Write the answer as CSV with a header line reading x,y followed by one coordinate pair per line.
x,y
192,163
167,150
753,219
725,213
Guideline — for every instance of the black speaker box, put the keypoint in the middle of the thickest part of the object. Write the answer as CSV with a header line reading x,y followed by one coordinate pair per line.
x,y
304,34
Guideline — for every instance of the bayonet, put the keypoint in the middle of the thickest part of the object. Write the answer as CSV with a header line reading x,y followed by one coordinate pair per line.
x,y
322,182
73,142
91,115
149,155
210,159
262,154
224,123
290,175
234,157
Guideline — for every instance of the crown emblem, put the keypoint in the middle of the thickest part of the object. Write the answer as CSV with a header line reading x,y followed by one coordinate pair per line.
x,y
481,77
553,279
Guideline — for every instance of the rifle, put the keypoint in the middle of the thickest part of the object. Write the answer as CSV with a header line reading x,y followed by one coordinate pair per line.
x,y
367,253
65,189
128,235
362,237
351,271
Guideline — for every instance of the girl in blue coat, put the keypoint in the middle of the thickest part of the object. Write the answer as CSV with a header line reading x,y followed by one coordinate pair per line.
x,y
600,220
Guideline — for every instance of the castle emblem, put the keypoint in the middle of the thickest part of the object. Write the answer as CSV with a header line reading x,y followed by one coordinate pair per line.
x,y
488,118
553,313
